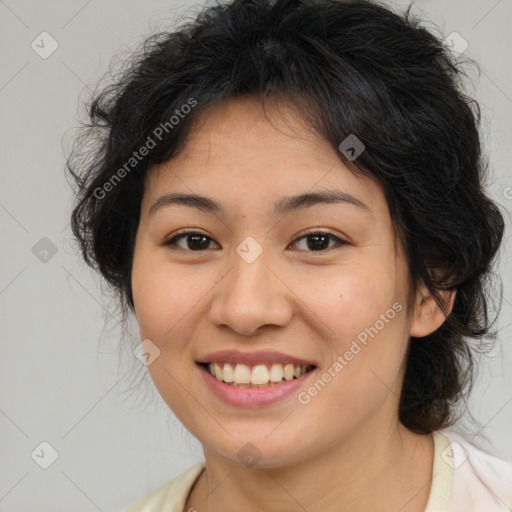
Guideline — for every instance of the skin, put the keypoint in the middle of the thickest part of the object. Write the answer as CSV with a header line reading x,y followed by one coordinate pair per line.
x,y
325,455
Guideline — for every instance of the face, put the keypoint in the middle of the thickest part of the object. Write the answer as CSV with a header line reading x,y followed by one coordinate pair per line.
x,y
266,280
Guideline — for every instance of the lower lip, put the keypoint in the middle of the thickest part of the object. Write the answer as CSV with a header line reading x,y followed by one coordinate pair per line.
x,y
253,397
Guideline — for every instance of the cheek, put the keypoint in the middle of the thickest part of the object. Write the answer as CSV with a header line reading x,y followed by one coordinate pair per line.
x,y
162,298
346,299
363,310
154,296
160,294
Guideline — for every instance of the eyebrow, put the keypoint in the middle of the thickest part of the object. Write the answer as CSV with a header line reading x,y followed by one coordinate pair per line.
x,y
282,206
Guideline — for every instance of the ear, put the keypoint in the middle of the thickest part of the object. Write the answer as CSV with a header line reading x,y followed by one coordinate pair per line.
x,y
427,315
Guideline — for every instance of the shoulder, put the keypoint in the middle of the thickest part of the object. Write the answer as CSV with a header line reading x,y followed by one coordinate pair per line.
x,y
170,496
479,480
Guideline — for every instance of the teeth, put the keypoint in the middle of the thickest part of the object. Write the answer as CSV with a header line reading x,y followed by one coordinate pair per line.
x,y
242,374
260,375
217,371
228,373
276,373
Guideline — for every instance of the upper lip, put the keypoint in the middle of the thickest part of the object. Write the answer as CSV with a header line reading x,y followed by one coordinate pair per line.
x,y
252,358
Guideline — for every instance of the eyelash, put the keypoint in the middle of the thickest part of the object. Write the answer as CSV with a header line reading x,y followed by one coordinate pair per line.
x,y
183,234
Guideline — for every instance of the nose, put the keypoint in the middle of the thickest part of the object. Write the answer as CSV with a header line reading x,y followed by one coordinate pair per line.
x,y
251,295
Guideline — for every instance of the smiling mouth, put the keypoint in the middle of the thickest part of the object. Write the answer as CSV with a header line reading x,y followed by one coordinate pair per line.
x,y
257,376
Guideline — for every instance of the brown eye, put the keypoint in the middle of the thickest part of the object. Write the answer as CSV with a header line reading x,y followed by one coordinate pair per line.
x,y
194,241
319,241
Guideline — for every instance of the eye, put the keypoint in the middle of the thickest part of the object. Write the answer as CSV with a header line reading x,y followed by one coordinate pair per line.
x,y
318,241
195,241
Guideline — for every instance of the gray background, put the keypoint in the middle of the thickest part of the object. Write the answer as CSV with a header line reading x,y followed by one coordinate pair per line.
x,y
61,379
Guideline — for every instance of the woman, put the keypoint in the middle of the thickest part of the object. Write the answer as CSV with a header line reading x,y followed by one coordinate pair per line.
x,y
289,197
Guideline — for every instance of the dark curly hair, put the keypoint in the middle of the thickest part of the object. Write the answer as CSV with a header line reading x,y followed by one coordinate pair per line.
x,y
349,67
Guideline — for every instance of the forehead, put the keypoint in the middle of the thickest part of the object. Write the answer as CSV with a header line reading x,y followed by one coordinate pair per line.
x,y
246,156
